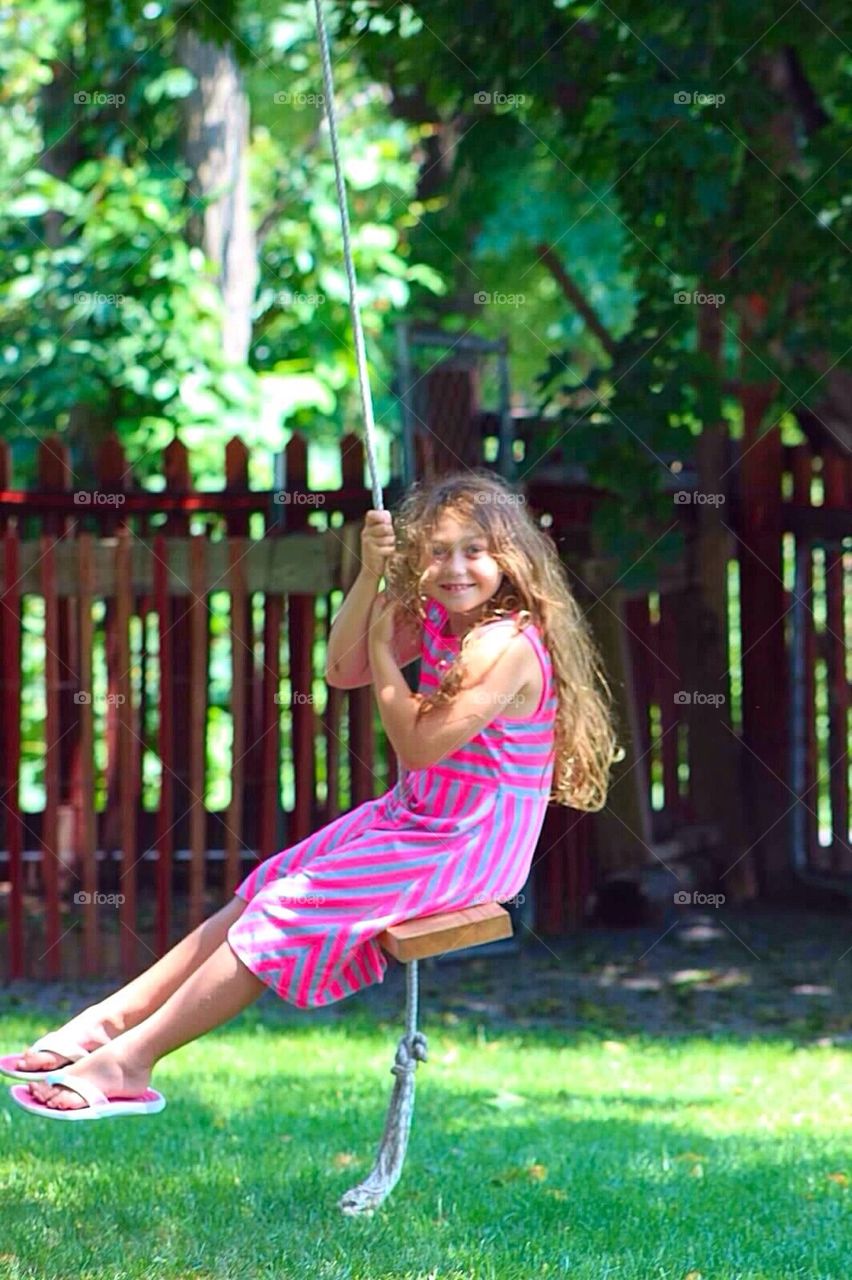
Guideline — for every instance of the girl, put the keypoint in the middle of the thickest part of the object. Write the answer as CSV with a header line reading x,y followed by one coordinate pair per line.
x,y
512,711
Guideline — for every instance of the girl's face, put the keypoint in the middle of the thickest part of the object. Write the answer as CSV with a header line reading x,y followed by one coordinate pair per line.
x,y
461,573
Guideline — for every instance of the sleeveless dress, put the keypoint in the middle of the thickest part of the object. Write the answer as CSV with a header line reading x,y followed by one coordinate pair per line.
x,y
459,832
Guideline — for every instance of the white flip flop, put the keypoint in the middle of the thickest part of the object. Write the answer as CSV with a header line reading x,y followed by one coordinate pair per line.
x,y
100,1107
53,1042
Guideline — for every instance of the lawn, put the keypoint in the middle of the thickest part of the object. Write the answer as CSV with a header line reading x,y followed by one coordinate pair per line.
x,y
535,1152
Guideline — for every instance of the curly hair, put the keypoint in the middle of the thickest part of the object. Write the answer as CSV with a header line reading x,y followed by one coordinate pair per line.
x,y
535,586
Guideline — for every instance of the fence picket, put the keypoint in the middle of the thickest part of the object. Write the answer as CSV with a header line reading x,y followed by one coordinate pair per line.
x,y
300,634
270,727
52,735
242,655
84,798
10,683
128,742
836,498
165,827
198,677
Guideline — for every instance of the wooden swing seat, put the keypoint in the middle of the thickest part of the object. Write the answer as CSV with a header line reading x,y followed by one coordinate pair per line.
x,y
446,931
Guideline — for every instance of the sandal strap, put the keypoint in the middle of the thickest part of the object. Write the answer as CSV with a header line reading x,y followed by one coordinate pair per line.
x,y
55,1042
90,1093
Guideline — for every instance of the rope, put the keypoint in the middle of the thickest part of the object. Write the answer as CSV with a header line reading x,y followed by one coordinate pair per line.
x,y
351,278
354,309
412,1048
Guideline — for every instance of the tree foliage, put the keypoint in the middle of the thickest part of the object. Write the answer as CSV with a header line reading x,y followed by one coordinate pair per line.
x,y
668,152
109,316
562,161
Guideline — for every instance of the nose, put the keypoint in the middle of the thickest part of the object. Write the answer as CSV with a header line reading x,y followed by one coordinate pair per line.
x,y
458,562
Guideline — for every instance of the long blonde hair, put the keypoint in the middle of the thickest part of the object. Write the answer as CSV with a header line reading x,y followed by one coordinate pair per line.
x,y
535,586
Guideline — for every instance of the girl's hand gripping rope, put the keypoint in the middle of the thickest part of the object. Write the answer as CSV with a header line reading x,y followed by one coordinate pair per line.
x,y
378,542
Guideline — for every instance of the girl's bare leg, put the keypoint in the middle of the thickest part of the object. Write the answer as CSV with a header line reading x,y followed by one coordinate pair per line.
x,y
100,1023
217,991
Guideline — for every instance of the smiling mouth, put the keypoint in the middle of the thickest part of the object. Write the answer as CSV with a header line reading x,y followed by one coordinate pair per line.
x,y
457,587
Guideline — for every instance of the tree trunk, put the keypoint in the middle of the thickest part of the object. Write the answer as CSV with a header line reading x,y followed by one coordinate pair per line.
x,y
215,142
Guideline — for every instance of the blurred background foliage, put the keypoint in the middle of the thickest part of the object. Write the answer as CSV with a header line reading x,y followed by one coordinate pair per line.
x,y
500,167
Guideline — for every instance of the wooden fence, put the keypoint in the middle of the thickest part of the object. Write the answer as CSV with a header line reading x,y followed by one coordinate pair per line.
x,y
797,632
100,880
279,592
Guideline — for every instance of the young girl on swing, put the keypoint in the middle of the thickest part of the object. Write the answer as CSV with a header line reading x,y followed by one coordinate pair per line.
x,y
512,710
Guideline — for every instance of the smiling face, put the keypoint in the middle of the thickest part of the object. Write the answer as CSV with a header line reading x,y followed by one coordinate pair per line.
x,y
461,573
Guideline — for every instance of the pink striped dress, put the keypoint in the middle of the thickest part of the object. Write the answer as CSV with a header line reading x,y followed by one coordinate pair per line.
x,y
453,834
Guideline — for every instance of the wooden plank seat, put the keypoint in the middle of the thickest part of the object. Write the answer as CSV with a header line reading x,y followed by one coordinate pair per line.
x,y
446,931
408,942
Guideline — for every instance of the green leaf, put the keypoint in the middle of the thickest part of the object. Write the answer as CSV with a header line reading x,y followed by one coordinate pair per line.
x,y
31,205
420,273
23,287
372,235
176,82
163,388
289,392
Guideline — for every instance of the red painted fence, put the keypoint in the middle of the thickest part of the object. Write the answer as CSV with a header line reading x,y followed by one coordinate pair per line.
x,y
153,560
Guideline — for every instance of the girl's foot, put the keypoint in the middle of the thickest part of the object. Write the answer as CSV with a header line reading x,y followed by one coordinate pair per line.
x,y
91,1029
107,1068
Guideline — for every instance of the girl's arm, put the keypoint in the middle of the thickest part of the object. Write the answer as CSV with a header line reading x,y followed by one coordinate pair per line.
x,y
347,640
348,659
498,663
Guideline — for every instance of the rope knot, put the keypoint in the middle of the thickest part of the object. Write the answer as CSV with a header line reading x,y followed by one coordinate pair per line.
x,y
407,1058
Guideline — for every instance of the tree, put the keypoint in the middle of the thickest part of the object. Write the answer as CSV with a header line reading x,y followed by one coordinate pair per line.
x,y
169,201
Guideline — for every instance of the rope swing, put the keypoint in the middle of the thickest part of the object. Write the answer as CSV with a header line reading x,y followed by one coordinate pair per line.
x,y
412,1048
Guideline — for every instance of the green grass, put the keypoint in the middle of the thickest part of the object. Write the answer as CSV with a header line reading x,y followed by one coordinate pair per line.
x,y
533,1154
